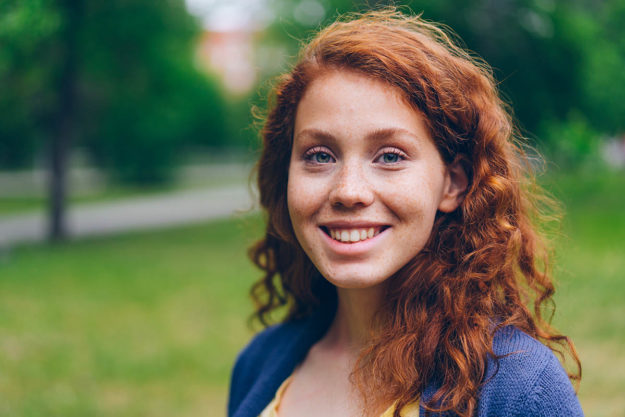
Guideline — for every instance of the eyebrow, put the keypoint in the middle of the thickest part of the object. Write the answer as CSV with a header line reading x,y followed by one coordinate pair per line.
x,y
374,135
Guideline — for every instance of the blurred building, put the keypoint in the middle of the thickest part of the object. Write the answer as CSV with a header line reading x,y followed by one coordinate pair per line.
x,y
230,55
613,151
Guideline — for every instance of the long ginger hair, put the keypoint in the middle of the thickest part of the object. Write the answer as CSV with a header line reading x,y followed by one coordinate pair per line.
x,y
485,265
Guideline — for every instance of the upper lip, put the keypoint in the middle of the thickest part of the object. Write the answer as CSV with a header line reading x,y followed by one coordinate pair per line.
x,y
352,224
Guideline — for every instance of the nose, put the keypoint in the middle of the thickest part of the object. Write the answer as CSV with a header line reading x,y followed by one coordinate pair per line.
x,y
351,187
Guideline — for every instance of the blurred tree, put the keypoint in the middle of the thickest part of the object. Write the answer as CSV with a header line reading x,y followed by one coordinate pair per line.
x,y
604,69
115,77
146,100
64,125
26,30
38,65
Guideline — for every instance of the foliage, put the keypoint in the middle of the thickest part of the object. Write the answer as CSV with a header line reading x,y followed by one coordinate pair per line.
x,y
151,101
140,99
604,75
553,58
571,143
26,100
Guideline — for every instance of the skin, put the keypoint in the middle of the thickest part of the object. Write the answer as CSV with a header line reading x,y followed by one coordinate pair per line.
x,y
362,158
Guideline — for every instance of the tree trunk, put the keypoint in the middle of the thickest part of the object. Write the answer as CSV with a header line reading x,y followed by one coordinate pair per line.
x,y
64,126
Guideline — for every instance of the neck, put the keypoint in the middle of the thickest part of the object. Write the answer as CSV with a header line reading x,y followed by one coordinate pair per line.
x,y
352,325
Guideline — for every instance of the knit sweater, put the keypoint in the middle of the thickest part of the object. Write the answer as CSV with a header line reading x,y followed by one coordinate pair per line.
x,y
528,380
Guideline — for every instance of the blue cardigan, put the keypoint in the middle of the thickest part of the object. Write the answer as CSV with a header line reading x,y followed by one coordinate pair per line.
x,y
529,382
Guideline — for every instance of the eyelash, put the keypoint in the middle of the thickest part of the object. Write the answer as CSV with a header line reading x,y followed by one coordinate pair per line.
x,y
311,153
393,151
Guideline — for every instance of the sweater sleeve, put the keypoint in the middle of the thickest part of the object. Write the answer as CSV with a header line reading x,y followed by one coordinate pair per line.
x,y
552,394
526,381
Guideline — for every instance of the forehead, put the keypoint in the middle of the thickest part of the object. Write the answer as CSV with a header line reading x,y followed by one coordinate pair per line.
x,y
348,103
343,81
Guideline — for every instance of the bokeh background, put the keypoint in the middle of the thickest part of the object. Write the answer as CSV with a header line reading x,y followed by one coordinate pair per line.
x,y
126,142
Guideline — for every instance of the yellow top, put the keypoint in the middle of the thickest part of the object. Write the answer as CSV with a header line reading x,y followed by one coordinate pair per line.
x,y
411,410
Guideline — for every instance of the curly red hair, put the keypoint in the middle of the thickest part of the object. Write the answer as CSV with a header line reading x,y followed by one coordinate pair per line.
x,y
485,265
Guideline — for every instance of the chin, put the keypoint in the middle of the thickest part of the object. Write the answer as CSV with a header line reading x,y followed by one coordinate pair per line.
x,y
356,279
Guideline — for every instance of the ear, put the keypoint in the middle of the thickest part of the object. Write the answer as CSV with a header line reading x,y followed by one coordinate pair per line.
x,y
456,183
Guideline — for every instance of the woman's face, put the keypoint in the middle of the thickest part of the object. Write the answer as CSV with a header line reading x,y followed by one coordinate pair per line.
x,y
365,179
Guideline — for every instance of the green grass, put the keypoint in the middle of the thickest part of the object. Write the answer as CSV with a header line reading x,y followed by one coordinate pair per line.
x,y
149,324
138,325
591,284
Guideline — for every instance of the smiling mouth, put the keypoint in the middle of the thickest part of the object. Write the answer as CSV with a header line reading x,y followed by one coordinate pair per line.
x,y
353,235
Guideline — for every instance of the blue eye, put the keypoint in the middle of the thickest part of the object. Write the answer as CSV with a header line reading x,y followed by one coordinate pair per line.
x,y
322,157
318,155
390,158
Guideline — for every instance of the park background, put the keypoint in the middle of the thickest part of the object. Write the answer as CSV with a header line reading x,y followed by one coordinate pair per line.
x,y
120,103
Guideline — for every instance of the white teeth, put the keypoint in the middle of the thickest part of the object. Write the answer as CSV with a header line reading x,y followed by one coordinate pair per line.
x,y
353,235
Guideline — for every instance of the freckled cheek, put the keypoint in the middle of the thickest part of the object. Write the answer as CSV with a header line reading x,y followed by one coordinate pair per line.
x,y
294,204
405,197
305,195
298,218
412,203
301,211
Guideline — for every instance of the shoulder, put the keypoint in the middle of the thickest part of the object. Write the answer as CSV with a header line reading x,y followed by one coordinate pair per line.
x,y
525,380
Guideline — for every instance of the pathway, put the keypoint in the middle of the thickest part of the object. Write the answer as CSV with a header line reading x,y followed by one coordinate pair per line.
x,y
132,214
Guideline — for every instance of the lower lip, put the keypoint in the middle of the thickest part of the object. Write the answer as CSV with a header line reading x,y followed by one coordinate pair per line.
x,y
355,248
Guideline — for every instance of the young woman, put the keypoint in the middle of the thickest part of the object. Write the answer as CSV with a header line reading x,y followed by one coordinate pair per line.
x,y
401,240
